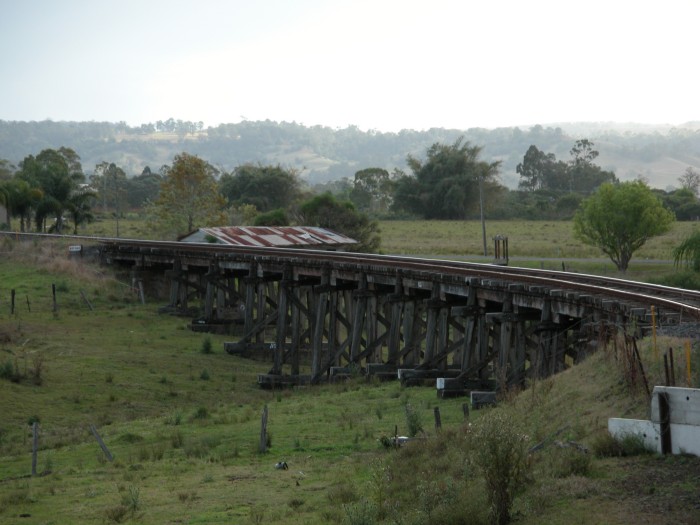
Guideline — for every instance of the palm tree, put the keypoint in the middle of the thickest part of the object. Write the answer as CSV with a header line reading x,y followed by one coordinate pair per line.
x,y
57,173
21,200
78,207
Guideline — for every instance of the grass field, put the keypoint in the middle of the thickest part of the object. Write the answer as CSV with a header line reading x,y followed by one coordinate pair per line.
x,y
526,239
184,424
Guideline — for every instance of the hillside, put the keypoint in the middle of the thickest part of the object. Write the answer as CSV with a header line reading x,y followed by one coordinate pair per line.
x,y
320,154
182,419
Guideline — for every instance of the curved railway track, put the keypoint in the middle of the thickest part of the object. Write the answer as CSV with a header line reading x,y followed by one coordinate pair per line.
x,y
684,302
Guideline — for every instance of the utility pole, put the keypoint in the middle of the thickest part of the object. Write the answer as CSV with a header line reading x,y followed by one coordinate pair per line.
x,y
481,211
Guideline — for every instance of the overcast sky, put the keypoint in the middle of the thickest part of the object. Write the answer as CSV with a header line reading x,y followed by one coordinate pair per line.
x,y
377,64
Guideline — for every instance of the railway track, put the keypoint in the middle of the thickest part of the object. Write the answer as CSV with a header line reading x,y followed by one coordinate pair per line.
x,y
684,302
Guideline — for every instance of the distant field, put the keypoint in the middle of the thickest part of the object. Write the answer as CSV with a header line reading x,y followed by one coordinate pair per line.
x,y
546,239
539,244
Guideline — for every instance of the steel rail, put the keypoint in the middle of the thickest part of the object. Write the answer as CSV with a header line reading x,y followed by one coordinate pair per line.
x,y
634,291
686,302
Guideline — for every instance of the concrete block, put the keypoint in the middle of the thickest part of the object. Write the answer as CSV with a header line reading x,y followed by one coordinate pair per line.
x,y
481,399
650,432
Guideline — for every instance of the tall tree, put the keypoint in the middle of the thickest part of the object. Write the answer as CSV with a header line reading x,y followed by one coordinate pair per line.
x,y
541,171
110,181
327,212
21,199
620,218
6,169
265,187
446,184
584,176
372,190
58,173
79,208
143,188
189,197
690,180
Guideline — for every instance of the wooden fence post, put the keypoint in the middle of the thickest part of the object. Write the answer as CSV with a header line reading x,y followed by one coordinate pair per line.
x,y
82,294
142,295
263,431
104,448
35,445
53,293
12,302
438,421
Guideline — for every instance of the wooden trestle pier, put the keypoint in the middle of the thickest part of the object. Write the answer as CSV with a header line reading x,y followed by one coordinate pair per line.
x,y
320,314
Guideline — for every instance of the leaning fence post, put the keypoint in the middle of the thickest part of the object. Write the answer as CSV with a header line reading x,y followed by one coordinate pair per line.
x,y
104,448
82,294
438,421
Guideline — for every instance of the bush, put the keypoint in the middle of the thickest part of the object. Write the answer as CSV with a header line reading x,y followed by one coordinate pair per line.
x,y
500,452
361,513
686,279
116,514
606,446
567,461
413,421
207,346
201,413
8,371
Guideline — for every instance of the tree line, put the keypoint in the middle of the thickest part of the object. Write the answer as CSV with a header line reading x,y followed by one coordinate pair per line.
x,y
451,181
323,154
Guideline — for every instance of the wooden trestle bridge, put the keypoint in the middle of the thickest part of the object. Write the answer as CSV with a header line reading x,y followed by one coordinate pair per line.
x,y
320,314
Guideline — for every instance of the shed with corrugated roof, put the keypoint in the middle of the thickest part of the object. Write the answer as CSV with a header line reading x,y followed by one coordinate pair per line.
x,y
272,236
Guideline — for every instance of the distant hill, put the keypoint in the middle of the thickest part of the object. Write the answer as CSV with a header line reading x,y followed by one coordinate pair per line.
x,y
659,154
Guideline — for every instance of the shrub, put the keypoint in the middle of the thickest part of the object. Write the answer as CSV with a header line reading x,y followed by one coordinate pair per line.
x,y
207,346
363,512
176,439
201,413
605,445
204,376
413,421
500,452
567,461
132,499
7,369
116,514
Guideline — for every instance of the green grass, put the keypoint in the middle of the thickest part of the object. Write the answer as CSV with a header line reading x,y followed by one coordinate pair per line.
x,y
532,239
186,448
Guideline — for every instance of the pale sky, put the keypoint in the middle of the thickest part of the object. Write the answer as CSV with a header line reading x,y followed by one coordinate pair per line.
x,y
378,64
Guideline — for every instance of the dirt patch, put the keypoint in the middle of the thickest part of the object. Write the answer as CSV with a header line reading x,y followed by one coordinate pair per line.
x,y
660,490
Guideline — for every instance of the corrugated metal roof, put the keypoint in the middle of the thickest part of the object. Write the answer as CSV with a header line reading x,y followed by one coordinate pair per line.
x,y
274,236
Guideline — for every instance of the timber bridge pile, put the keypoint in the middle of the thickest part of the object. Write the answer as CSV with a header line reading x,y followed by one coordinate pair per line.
x,y
318,315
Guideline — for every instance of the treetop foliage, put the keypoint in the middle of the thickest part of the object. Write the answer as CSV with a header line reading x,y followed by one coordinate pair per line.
x,y
189,197
620,218
542,171
445,184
